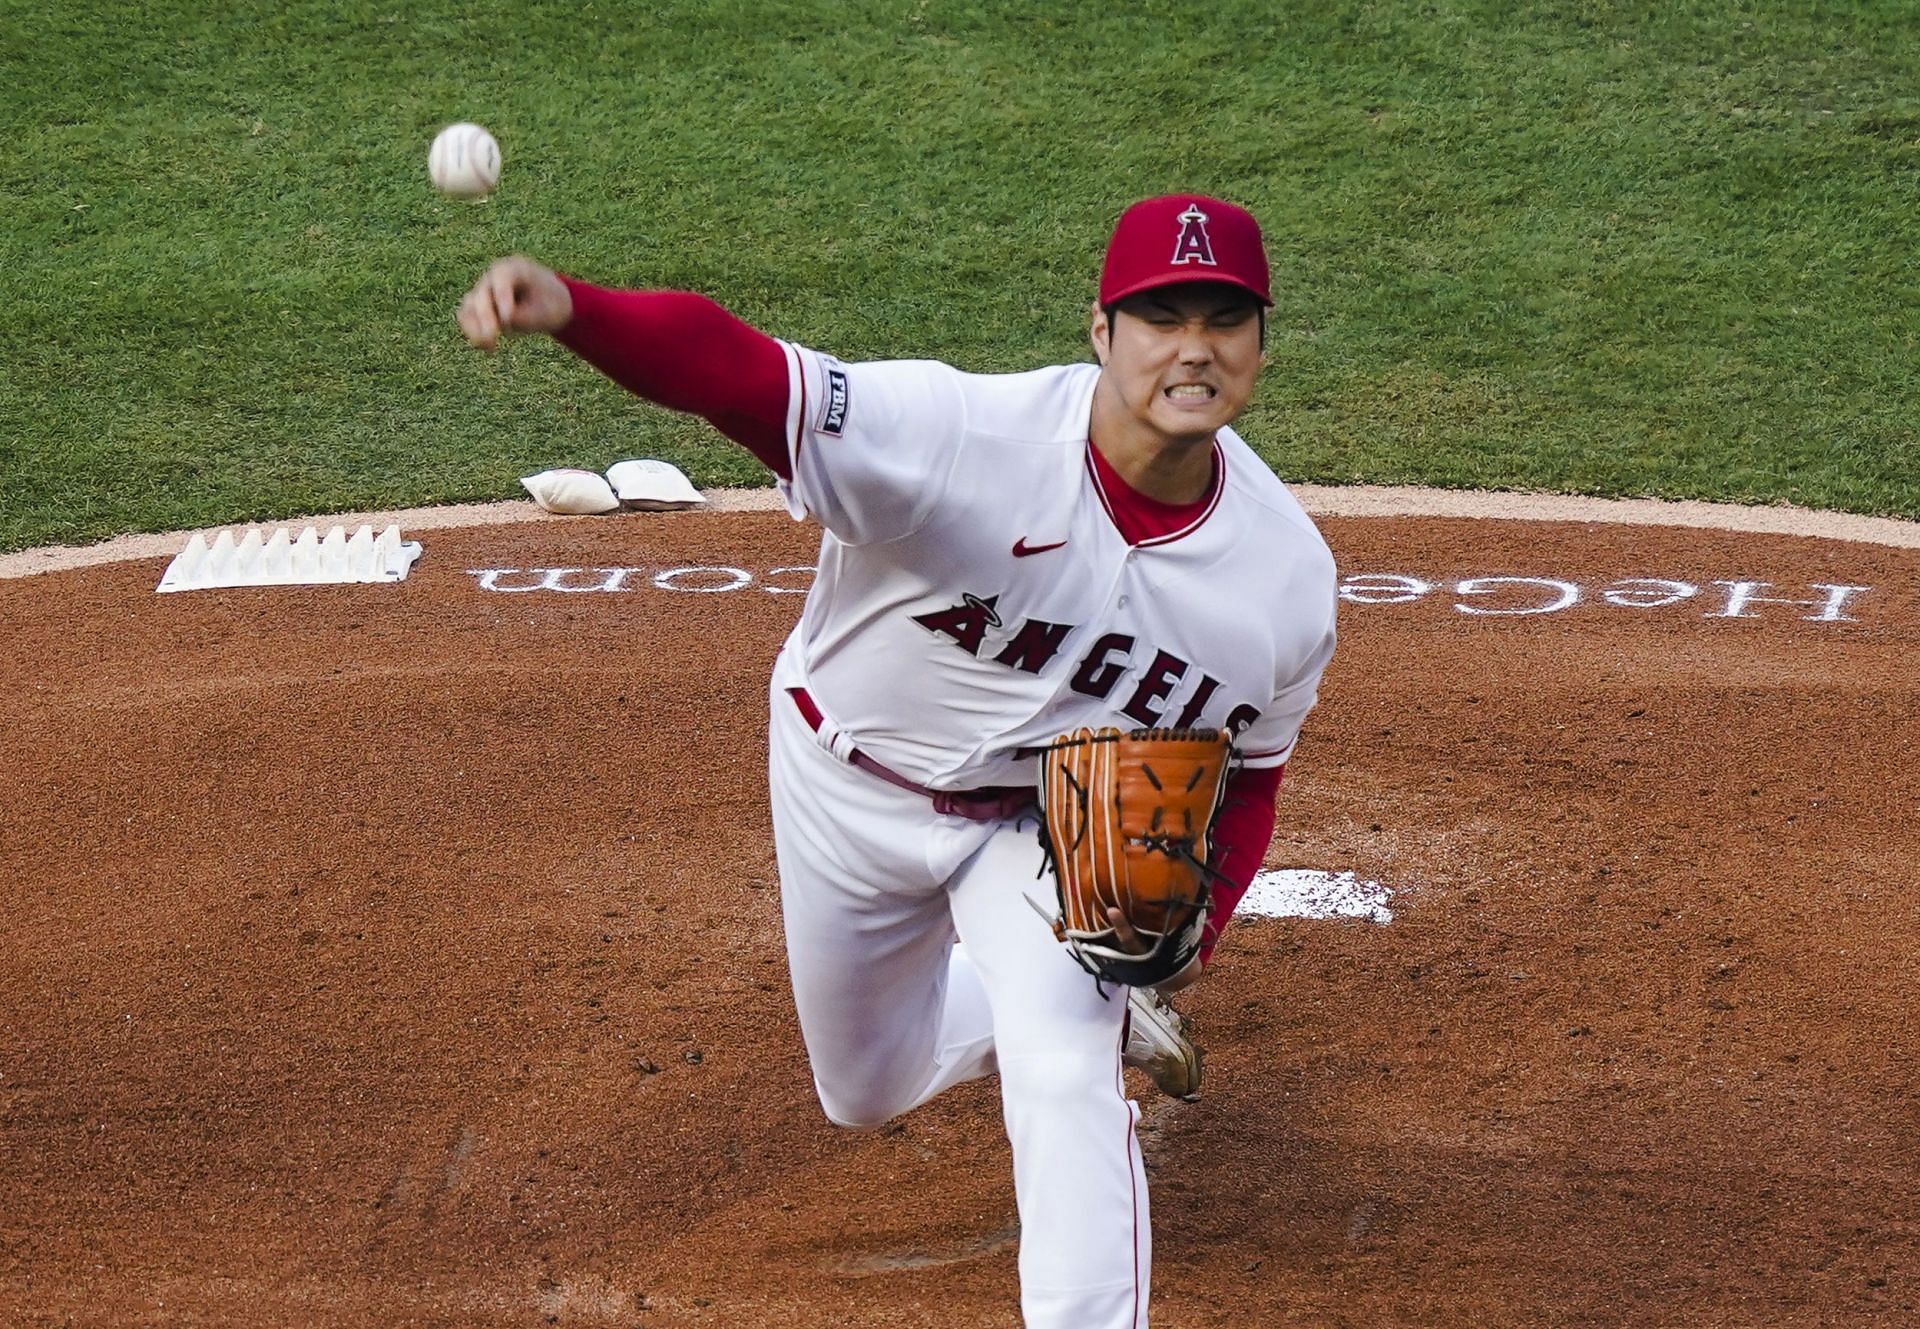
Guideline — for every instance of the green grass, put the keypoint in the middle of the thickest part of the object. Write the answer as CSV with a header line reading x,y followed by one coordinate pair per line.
x,y
1597,248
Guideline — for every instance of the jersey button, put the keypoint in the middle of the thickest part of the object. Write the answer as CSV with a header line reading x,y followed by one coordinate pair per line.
x,y
1123,602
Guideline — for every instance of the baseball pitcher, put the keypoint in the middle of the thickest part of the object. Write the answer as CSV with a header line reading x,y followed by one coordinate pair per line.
x,y
1026,738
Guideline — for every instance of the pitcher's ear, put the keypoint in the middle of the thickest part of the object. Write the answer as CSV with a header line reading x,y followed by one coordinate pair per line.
x,y
1100,332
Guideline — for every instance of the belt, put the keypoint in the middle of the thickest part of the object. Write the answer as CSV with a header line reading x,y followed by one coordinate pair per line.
x,y
992,803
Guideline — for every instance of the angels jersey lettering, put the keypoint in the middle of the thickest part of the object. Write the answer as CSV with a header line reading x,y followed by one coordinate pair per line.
x,y
969,551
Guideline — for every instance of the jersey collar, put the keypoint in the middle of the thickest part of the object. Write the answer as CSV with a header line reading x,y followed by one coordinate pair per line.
x,y
1130,510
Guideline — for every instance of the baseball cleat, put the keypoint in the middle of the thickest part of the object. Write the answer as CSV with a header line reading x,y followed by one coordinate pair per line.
x,y
1159,1042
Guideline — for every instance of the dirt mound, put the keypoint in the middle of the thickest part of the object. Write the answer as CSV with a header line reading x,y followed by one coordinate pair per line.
x,y
411,955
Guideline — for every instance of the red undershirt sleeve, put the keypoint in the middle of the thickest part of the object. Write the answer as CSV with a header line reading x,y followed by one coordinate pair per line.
x,y
684,352
1240,840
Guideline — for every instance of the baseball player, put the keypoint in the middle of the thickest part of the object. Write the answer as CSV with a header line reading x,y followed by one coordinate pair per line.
x,y
1003,558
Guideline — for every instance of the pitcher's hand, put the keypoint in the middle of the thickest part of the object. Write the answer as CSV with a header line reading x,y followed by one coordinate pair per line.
x,y
514,295
1131,940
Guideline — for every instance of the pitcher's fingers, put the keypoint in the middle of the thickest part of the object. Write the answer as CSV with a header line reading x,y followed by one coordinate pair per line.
x,y
1123,931
478,321
471,326
506,295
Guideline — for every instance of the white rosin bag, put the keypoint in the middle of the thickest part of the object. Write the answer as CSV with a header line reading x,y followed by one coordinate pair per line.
x,y
653,486
568,489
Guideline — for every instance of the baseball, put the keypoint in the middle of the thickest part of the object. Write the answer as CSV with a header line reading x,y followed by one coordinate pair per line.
x,y
464,161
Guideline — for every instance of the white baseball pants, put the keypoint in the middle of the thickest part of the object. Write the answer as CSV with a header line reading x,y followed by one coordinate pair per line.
x,y
875,888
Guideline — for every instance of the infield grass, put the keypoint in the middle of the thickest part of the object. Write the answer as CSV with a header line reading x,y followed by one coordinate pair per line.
x,y
1595,248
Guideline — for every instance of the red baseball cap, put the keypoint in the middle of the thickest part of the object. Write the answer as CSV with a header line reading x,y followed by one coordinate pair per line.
x,y
1181,238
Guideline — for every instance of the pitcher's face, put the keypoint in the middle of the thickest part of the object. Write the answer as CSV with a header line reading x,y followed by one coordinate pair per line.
x,y
1183,359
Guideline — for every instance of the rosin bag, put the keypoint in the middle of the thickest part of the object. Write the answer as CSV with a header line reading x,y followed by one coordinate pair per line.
x,y
571,490
648,485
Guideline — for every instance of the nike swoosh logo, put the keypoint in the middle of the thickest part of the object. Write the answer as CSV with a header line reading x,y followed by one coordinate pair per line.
x,y
1021,548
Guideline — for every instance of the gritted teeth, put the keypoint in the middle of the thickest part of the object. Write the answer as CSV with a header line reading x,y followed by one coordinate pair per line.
x,y
1189,392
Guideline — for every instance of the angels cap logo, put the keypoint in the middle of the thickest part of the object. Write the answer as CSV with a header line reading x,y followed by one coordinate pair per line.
x,y
1194,244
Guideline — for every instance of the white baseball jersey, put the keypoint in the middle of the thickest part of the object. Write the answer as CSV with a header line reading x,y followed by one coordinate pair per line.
x,y
975,600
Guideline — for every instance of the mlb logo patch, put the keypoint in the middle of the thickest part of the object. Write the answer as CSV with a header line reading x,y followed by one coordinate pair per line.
x,y
833,413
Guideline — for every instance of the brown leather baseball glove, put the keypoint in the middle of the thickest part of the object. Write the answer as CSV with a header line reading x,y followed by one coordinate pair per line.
x,y
1126,817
